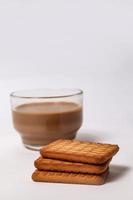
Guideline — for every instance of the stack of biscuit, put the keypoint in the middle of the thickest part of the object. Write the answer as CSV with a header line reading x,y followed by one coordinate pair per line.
x,y
72,161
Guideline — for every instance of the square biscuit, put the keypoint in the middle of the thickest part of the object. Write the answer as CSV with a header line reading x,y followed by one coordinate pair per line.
x,y
48,164
79,151
73,178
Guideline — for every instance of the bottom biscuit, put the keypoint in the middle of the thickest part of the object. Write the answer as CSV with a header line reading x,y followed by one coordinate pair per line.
x,y
63,177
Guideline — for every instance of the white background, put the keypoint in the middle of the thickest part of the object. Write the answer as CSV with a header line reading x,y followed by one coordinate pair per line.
x,y
68,43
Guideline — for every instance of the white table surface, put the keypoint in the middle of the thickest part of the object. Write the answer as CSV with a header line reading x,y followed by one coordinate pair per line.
x,y
107,118
17,166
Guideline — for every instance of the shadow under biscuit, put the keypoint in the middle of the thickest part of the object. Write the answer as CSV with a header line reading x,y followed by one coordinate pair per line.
x,y
117,172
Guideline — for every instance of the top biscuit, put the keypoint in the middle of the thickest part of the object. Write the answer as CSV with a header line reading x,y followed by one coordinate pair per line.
x,y
79,151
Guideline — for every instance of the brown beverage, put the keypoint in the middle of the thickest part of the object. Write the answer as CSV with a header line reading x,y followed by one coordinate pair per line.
x,y
41,123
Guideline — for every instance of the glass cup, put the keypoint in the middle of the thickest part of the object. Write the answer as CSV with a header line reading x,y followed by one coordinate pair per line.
x,y
44,115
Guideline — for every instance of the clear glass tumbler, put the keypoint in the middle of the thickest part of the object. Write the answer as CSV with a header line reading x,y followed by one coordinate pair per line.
x,y
43,115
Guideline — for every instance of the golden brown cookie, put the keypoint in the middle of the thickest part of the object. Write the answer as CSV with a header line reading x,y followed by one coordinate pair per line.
x,y
62,177
65,166
78,151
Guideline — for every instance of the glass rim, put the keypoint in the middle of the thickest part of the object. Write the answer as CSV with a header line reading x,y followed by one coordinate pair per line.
x,y
73,92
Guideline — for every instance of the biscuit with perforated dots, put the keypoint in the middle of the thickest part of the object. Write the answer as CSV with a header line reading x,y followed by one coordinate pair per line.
x,y
79,151
74,178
